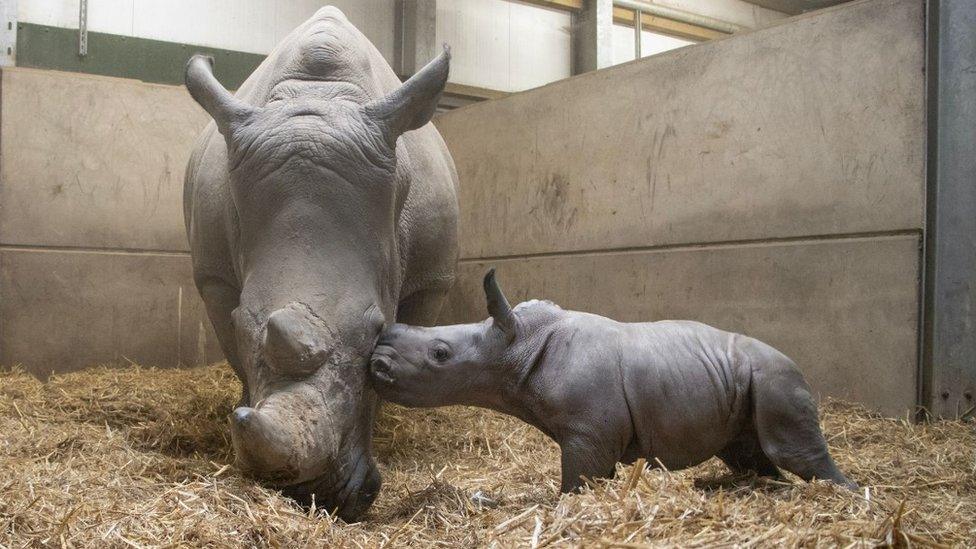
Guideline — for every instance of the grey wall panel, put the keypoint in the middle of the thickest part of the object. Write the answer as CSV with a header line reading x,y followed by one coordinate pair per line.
x,y
951,244
92,161
61,311
845,310
812,127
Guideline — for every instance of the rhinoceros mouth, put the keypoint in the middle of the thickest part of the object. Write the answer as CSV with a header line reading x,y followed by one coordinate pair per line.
x,y
349,498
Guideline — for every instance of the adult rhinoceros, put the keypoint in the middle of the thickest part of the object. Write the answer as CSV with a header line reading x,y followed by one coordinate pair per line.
x,y
313,218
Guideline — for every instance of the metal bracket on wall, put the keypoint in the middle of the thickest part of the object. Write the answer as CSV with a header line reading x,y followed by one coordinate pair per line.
x,y
638,27
8,33
83,28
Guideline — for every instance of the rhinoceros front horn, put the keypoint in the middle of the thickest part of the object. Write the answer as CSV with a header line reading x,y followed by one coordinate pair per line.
x,y
259,445
412,104
498,306
220,104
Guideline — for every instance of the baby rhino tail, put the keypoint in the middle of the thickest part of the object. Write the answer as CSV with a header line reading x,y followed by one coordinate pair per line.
x,y
785,416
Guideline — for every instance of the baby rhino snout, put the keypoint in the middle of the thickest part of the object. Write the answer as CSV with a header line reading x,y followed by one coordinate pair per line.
x,y
381,369
387,375
399,369
385,356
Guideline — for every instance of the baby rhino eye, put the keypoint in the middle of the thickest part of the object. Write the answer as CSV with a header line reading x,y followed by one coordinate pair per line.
x,y
440,353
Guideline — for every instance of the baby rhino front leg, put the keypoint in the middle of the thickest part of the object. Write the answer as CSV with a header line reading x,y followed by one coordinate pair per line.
x,y
588,457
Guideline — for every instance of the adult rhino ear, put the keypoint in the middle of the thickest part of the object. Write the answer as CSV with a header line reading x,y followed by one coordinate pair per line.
x,y
498,306
412,104
226,110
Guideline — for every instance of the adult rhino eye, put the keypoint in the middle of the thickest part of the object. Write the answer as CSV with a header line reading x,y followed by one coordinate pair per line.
x,y
440,353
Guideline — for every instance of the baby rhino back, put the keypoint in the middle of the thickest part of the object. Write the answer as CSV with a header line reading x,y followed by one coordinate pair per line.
x,y
687,386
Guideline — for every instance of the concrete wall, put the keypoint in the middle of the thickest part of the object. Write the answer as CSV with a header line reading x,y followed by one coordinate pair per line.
x,y
771,183
93,260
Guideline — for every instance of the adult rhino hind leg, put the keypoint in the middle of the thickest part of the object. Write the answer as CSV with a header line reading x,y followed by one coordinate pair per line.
x,y
787,425
220,300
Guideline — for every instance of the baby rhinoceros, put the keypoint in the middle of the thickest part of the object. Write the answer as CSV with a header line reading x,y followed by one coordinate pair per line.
x,y
676,392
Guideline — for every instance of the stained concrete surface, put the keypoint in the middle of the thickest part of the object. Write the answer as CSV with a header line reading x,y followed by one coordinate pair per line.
x,y
61,311
93,162
810,127
93,267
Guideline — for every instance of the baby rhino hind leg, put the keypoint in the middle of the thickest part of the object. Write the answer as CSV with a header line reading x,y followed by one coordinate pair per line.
x,y
785,416
745,455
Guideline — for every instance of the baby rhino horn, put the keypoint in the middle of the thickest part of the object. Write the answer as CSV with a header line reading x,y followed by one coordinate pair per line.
x,y
498,306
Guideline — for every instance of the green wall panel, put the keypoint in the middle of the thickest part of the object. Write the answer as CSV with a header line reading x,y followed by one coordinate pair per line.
x,y
55,48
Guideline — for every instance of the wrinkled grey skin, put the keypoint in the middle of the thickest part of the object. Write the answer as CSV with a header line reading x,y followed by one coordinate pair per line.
x,y
319,204
677,391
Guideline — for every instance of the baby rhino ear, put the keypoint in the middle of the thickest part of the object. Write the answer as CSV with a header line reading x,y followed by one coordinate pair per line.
x,y
498,306
412,104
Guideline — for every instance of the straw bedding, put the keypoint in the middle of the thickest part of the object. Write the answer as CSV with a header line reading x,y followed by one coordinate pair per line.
x,y
140,457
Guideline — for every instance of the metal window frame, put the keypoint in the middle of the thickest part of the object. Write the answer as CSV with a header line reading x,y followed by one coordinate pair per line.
x,y
654,18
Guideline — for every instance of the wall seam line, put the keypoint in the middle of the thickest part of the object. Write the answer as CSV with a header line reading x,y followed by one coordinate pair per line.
x,y
93,250
757,242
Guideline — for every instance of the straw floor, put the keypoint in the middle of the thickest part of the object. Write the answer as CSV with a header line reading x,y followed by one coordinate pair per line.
x,y
140,457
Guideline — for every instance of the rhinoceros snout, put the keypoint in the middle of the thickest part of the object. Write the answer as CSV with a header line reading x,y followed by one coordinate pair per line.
x,y
266,443
242,416
259,446
350,497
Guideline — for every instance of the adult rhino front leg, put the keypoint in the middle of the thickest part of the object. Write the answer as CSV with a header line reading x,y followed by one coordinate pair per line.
x,y
422,307
220,299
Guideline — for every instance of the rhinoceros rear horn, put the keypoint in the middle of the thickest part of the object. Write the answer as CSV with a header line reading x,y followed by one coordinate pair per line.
x,y
223,107
498,306
412,104
290,344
